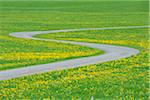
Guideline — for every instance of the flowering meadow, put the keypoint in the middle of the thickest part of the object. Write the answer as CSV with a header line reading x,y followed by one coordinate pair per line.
x,y
125,78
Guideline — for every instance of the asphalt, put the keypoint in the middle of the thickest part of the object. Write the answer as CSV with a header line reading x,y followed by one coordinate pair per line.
x,y
111,53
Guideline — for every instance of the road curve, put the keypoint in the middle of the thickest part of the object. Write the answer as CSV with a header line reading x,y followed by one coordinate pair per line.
x,y
111,53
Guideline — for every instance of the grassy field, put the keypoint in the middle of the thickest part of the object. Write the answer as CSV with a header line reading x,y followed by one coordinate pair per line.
x,y
20,52
120,79
16,53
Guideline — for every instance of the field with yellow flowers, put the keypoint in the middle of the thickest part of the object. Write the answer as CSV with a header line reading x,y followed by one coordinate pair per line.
x,y
126,78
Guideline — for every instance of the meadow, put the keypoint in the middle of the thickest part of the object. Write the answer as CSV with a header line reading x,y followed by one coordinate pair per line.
x,y
121,79
15,53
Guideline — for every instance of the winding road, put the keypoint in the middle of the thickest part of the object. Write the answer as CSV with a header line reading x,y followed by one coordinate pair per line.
x,y
111,53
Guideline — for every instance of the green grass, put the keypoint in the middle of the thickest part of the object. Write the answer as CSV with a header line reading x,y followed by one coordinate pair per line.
x,y
121,79
15,52
135,38
46,15
20,52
